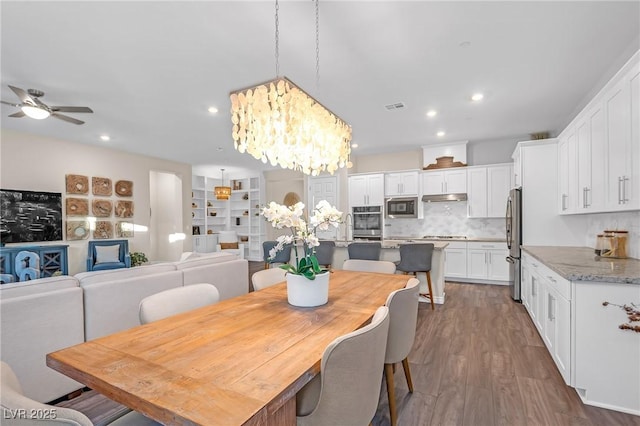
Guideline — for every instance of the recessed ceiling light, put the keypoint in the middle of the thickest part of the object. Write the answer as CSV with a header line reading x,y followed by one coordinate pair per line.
x,y
213,110
219,148
440,134
354,145
432,113
477,97
465,44
105,138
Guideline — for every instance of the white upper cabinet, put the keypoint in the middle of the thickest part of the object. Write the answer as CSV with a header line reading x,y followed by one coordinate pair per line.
x,y
401,184
488,189
366,190
567,172
450,181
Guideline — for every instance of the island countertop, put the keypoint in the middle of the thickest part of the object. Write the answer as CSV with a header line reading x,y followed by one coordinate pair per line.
x,y
394,244
581,264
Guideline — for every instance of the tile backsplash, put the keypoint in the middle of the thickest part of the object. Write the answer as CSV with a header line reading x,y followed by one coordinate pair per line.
x,y
624,221
445,219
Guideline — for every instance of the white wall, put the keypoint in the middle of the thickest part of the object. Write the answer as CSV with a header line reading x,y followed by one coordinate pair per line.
x,y
622,221
38,163
492,151
166,215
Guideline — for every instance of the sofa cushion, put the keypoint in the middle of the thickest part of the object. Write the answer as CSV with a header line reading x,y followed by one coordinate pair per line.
x,y
107,254
230,278
92,277
227,246
41,285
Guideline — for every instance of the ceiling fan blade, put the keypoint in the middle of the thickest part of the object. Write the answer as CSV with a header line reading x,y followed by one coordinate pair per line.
x,y
24,96
9,103
17,114
66,118
70,109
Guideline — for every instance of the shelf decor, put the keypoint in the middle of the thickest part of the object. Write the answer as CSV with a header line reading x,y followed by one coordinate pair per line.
x,y
103,231
101,186
124,209
277,121
77,230
124,229
124,188
101,208
77,184
77,206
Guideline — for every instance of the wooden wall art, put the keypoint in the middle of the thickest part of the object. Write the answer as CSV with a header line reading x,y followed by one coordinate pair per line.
x,y
77,206
101,208
77,184
101,186
103,231
124,188
124,209
77,229
124,230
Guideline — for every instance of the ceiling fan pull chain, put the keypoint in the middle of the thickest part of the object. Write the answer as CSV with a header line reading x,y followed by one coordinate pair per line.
x,y
277,42
317,45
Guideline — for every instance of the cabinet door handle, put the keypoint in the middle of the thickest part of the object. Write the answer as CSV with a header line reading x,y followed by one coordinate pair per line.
x,y
550,308
584,197
442,188
533,287
564,202
620,183
624,189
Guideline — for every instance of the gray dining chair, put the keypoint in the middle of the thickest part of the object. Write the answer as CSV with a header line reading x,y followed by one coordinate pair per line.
x,y
416,258
381,266
283,256
14,401
364,251
324,253
267,277
177,300
403,318
336,398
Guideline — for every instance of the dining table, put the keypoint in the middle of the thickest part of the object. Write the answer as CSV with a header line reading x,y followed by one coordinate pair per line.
x,y
237,362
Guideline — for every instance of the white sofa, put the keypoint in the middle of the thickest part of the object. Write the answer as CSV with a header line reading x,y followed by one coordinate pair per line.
x,y
45,315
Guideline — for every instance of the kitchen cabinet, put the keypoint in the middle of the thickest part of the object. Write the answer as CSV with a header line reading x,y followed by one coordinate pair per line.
x,y
451,181
517,169
205,243
366,190
455,258
487,190
401,184
487,261
590,153
567,172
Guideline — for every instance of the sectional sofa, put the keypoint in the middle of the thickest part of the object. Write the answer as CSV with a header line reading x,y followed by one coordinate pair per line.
x,y
45,315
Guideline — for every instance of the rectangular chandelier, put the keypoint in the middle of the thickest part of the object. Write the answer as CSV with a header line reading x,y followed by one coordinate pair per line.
x,y
279,122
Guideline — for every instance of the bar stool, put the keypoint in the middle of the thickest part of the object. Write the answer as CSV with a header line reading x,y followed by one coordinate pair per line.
x,y
364,251
324,253
283,256
416,258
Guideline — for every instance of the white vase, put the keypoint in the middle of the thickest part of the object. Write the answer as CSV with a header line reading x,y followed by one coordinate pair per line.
x,y
306,293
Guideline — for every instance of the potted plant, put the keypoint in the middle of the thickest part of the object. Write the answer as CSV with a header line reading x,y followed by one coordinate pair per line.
x,y
138,258
307,282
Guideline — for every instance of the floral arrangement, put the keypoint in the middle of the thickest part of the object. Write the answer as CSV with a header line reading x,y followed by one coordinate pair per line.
x,y
302,231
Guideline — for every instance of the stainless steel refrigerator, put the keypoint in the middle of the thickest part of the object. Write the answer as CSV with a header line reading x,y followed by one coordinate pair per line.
x,y
514,239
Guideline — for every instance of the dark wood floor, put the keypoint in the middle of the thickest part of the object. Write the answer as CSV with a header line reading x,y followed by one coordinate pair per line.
x,y
478,360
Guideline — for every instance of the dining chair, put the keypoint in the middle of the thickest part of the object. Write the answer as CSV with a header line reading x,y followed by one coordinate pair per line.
x,y
364,251
416,258
403,317
267,277
15,404
347,390
324,253
381,266
283,256
177,300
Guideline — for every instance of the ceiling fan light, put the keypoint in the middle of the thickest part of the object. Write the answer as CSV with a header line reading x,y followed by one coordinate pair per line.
x,y
35,112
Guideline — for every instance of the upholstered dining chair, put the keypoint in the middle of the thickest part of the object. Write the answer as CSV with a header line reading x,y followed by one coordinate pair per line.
x,y
267,277
283,256
364,251
403,317
229,243
335,398
416,258
381,266
14,402
177,300
324,253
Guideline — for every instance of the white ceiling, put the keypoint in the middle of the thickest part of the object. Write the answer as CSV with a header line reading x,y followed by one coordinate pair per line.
x,y
150,69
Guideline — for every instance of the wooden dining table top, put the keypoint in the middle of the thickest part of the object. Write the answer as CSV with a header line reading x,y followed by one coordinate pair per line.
x,y
237,362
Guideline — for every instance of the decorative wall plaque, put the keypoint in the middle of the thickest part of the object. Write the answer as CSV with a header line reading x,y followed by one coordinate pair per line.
x,y
77,206
103,231
101,208
124,209
77,229
101,186
124,188
124,230
77,184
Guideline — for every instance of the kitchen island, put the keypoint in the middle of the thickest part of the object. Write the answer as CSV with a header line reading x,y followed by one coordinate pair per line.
x,y
390,251
578,302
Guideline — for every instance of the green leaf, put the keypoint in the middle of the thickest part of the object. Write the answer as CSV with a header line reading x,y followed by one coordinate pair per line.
x,y
309,274
316,266
289,268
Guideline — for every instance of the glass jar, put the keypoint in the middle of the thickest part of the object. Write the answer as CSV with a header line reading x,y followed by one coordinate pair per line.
x,y
599,244
621,238
607,249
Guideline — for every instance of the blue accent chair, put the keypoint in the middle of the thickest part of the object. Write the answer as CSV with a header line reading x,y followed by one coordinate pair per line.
x,y
108,254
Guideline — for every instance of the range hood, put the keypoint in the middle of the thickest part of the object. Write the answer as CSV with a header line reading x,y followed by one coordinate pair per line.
x,y
438,198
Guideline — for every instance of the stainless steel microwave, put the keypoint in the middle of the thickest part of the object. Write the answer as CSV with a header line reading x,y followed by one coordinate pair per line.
x,y
405,207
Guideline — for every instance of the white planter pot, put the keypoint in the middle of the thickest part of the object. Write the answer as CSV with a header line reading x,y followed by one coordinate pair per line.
x,y
306,293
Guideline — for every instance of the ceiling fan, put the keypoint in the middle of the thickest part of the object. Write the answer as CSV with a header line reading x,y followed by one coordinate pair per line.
x,y
32,106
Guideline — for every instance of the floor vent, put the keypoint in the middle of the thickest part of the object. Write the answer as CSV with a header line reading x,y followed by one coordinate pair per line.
x,y
398,105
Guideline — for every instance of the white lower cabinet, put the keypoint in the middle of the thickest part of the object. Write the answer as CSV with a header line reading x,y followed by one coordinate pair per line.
x,y
455,258
205,243
487,261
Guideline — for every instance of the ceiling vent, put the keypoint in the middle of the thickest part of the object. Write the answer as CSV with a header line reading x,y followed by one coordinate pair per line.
x,y
398,105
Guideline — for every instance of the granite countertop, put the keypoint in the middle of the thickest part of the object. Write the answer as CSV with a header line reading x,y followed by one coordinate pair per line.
x,y
393,244
470,239
581,264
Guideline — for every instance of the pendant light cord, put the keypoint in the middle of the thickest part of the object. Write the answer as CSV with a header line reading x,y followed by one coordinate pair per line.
x,y
277,41
317,45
